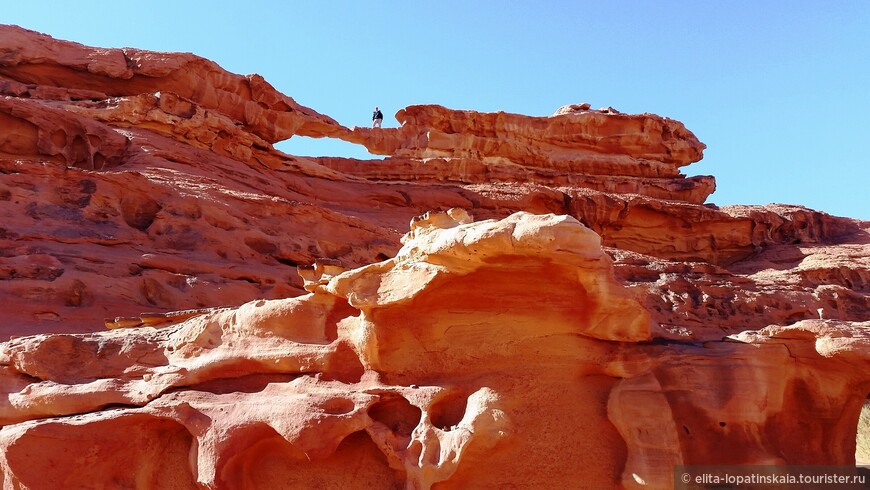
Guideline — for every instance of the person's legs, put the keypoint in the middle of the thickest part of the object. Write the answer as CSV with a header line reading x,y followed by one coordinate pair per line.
x,y
377,123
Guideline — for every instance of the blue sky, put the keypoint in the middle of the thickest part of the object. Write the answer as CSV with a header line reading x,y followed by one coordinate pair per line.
x,y
778,90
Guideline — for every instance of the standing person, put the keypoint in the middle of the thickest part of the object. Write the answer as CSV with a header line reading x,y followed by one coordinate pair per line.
x,y
377,118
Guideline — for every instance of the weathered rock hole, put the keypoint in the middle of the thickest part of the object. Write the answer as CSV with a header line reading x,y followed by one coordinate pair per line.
x,y
447,412
155,449
99,161
19,136
58,138
78,153
260,245
337,406
249,383
139,211
722,424
397,413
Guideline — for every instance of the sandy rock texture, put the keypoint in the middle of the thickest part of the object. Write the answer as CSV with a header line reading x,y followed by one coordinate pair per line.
x,y
566,310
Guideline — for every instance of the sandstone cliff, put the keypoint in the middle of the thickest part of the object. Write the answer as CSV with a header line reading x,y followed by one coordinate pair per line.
x,y
569,314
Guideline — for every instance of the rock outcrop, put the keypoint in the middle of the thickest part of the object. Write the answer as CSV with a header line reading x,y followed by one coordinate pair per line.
x,y
475,347
566,311
601,150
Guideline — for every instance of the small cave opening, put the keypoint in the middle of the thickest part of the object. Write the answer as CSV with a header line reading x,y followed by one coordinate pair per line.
x,y
397,413
447,412
862,435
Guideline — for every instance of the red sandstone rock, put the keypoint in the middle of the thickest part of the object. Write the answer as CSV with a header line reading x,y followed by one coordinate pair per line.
x,y
39,62
628,329
602,150
460,353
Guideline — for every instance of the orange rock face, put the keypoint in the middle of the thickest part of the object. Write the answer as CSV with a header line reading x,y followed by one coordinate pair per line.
x,y
569,314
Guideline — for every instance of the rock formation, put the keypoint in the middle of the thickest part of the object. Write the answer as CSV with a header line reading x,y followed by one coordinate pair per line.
x,y
565,311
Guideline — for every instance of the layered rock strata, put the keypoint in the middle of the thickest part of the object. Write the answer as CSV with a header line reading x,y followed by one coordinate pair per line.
x,y
480,345
594,326
602,150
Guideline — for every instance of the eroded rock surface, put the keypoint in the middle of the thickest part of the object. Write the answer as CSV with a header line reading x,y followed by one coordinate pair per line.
x,y
569,314
134,181
480,345
601,150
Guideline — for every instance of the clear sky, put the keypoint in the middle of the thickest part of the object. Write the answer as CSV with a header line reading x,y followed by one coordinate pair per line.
x,y
779,90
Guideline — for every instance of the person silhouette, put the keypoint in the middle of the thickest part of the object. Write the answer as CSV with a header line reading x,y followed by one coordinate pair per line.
x,y
377,118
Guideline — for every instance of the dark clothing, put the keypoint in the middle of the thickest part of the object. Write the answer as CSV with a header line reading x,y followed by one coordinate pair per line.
x,y
377,115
